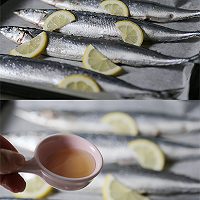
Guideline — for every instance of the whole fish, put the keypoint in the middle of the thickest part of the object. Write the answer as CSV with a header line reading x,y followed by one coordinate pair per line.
x,y
146,181
115,149
97,25
53,73
73,48
147,123
138,9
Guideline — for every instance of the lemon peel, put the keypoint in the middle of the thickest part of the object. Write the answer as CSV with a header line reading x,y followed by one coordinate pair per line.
x,y
32,48
96,61
130,32
58,19
114,190
115,7
148,154
80,83
121,123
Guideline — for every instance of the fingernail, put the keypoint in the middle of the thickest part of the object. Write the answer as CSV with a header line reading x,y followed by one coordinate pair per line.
x,y
6,186
19,159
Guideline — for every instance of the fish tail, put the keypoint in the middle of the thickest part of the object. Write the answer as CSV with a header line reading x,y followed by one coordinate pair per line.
x,y
170,94
196,34
195,58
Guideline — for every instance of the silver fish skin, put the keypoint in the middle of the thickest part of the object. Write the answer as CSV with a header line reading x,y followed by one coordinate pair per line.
x,y
150,11
147,123
53,73
114,148
73,48
146,181
96,25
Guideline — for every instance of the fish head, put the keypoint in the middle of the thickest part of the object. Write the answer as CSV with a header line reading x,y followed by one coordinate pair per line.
x,y
27,14
35,16
16,34
22,12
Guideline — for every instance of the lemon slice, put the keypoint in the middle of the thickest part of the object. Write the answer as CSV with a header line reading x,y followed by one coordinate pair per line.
x,y
131,33
115,7
36,188
32,48
148,154
114,190
121,123
58,19
80,83
96,61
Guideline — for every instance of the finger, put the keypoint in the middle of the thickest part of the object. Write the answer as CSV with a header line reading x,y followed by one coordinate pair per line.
x,y
5,144
13,182
10,161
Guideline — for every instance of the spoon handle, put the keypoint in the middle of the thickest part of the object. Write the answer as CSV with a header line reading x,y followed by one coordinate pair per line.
x,y
30,166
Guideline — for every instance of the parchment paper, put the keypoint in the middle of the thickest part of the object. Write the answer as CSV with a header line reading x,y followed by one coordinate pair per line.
x,y
157,78
191,168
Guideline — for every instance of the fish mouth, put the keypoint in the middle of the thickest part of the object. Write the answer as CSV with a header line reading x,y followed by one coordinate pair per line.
x,y
17,12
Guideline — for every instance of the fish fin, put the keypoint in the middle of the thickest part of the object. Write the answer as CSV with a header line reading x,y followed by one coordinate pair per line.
x,y
171,94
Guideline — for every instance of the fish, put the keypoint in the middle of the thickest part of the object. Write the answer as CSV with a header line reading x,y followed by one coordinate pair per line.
x,y
149,11
146,181
147,123
73,48
95,25
52,73
115,149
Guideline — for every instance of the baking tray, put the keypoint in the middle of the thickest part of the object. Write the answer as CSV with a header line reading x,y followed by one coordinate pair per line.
x,y
157,78
11,123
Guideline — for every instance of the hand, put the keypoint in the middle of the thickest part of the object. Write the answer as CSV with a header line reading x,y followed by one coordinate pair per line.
x,y
10,160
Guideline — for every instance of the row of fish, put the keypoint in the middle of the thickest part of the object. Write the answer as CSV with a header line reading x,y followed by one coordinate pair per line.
x,y
144,10
148,124
114,148
95,25
72,46
53,73
141,180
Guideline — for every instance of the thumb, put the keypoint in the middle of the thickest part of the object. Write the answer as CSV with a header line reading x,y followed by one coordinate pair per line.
x,y
10,161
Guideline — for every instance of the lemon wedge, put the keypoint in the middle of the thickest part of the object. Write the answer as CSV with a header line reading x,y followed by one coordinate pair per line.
x,y
115,7
114,190
121,123
148,154
96,61
32,48
58,19
36,188
80,83
131,33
